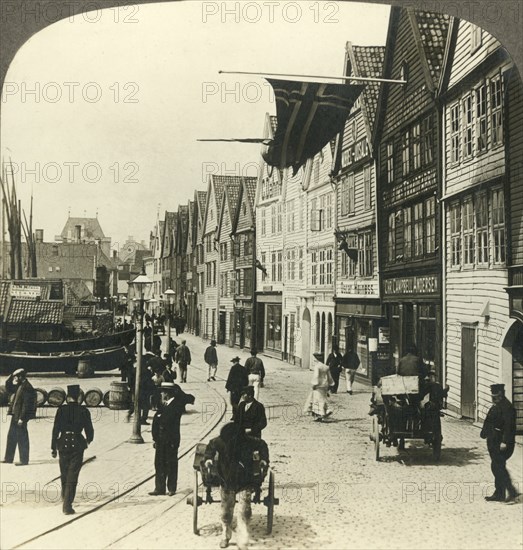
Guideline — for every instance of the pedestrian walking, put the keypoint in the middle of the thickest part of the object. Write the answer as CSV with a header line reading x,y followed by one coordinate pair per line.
x,y
317,402
148,337
236,381
250,414
22,408
233,454
334,361
183,358
499,429
256,372
350,363
70,421
211,358
166,437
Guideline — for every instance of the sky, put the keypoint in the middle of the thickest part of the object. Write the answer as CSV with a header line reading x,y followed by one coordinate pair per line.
x,y
101,113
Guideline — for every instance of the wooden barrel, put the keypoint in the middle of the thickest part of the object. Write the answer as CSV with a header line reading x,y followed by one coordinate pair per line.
x,y
4,396
85,368
41,397
56,397
119,397
106,398
93,397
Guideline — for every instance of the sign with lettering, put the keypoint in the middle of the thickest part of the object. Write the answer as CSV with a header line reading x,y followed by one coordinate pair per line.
x,y
359,288
355,152
425,284
384,335
26,291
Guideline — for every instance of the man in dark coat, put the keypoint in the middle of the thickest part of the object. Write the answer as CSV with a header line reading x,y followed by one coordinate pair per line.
x,y
233,454
211,358
166,437
22,409
411,364
350,363
256,372
148,337
334,361
250,414
499,429
236,381
70,421
183,358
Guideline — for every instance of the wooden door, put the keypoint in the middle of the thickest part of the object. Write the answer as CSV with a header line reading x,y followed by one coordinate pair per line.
x,y
468,371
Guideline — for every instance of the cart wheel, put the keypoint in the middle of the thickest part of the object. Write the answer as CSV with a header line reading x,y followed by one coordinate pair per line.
x,y
270,503
436,447
376,437
401,444
195,529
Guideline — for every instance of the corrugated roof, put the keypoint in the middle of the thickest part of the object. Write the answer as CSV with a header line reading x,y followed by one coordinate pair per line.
x,y
433,28
35,313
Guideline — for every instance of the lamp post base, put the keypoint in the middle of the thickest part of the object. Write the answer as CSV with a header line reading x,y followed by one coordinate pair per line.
x,y
136,438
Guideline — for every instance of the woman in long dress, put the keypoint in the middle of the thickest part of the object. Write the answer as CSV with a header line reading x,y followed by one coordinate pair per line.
x,y
318,401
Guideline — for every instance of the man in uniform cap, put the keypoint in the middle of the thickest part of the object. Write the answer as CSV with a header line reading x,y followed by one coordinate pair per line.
x,y
499,429
22,409
238,378
166,437
70,421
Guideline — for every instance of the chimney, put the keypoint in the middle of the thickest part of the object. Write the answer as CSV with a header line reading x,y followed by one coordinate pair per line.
x,y
39,235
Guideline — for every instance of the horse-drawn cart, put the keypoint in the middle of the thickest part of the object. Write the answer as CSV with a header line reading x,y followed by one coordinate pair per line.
x,y
400,414
210,481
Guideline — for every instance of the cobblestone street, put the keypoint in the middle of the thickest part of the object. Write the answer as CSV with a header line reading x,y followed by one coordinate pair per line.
x,y
332,493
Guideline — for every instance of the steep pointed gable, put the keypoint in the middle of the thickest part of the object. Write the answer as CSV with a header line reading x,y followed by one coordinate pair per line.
x,y
244,215
231,194
432,30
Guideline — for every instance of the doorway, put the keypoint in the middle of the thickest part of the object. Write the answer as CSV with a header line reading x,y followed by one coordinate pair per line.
x,y
222,328
306,339
468,371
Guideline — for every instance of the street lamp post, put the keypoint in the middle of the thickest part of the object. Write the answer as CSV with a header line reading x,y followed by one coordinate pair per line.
x,y
140,284
115,298
170,295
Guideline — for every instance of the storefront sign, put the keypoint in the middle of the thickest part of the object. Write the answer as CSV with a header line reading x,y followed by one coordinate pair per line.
x,y
355,152
427,284
384,335
359,289
26,291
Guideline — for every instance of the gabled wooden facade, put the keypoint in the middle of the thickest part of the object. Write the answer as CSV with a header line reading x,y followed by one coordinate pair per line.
x,y
244,251
191,277
269,237
359,315
226,273
200,198
407,138
475,197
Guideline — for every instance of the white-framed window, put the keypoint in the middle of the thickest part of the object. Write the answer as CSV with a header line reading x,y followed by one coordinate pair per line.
x,y
329,266
263,221
351,194
498,226
430,225
391,238
390,162
280,266
264,264
322,255
274,266
291,264
496,112
481,211
300,264
367,189
416,146
455,133
418,229
407,232
290,216
475,37
273,219
327,208
405,153
365,254
468,232
428,140
455,234
468,124
279,213
481,118
314,267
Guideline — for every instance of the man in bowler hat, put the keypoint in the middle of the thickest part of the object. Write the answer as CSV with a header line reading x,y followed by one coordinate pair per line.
x,y
166,437
70,421
21,409
499,429
238,378
250,414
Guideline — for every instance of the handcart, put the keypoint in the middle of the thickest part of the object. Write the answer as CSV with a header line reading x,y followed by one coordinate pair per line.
x,y
400,415
211,481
